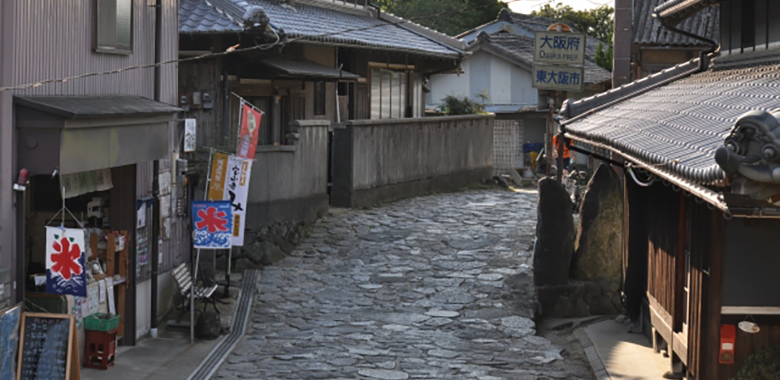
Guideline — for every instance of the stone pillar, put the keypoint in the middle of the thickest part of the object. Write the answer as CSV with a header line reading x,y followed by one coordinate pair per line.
x,y
554,234
599,243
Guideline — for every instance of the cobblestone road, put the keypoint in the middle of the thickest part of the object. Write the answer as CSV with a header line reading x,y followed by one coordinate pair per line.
x,y
437,287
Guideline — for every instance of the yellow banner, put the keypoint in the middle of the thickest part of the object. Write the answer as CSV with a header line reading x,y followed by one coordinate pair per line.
x,y
219,164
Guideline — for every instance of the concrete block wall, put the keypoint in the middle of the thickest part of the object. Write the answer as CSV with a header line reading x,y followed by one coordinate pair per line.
x,y
290,182
377,161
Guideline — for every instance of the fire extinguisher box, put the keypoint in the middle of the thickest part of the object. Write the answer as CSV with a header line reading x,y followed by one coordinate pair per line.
x,y
728,337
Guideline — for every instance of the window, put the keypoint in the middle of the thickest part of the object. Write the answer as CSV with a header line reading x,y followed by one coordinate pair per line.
x,y
114,26
389,94
319,98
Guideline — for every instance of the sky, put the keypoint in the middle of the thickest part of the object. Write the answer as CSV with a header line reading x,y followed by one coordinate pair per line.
x,y
526,6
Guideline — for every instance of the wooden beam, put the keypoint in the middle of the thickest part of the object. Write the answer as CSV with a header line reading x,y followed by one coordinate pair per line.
x,y
390,66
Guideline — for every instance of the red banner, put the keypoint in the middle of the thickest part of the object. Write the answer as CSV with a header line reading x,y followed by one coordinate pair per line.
x,y
250,129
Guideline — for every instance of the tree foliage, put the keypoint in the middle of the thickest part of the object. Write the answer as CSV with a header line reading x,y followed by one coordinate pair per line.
x,y
597,23
604,58
457,15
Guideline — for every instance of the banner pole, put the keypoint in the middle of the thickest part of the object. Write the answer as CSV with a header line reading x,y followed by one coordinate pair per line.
x,y
192,298
227,272
208,175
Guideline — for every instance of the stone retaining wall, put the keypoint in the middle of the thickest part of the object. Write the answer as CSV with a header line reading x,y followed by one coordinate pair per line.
x,y
580,299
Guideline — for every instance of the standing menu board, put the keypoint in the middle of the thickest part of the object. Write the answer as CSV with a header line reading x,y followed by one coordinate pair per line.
x,y
48,348
9,336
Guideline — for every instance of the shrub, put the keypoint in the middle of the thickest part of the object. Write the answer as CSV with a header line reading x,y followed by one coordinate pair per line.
x,y
762,365
453,105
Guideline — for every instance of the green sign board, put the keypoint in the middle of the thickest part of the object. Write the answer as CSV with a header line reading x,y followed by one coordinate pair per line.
x,y
559,78
559,47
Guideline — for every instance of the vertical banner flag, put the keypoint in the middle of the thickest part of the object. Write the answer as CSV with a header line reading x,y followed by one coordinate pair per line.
x,y
65,261
236,191
219,164
250,130
212,224
230,182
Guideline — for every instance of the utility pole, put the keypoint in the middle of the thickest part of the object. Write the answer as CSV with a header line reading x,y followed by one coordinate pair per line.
x,y
552,101
559,59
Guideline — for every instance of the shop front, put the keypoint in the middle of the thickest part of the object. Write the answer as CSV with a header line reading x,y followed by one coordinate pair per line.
x,y
83,155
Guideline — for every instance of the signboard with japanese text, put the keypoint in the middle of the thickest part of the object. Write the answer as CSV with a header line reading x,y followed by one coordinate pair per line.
x,y
559,47
190,135
559,78
212,224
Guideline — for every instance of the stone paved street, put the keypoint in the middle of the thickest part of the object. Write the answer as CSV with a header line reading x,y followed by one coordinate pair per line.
x,y
437,287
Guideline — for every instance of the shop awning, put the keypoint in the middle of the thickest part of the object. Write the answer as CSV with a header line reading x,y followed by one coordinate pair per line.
x,y
83,133
299,68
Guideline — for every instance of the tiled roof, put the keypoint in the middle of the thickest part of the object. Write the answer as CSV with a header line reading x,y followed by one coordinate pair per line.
x,y
315,21
198,16
524,25
675,11
521,49
648,29
677,127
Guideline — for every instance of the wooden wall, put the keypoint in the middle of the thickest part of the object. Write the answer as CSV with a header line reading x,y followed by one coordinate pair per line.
x,y
662,230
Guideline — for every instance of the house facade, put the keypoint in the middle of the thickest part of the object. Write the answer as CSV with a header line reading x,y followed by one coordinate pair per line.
x,y
88,139
695,144
499,74
323,72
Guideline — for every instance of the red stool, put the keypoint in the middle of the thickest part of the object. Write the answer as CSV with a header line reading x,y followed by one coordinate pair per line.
x,y
100,350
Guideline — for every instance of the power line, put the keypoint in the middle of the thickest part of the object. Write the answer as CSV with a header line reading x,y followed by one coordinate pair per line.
x,y
234,50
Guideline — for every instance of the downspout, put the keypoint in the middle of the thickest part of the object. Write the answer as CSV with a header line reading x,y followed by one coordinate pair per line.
x,y
156,169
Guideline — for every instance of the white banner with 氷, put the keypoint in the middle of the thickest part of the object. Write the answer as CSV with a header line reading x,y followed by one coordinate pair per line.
x,y
236,191
65,272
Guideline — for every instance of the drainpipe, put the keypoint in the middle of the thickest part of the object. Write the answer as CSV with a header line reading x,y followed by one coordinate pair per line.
x,y
156,169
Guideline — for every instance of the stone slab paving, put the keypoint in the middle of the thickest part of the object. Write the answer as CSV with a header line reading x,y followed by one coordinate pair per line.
x,y
436,287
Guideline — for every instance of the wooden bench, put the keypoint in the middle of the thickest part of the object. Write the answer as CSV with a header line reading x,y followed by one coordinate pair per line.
x,y
182,277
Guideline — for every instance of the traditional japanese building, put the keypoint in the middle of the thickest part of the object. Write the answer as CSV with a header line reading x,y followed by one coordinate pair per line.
x,y
697,146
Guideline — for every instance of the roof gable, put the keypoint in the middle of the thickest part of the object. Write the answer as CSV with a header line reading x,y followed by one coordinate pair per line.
x,y
523,25
519,50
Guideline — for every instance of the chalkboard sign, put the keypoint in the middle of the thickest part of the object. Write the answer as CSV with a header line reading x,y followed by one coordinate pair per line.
x,y
9,336
48,348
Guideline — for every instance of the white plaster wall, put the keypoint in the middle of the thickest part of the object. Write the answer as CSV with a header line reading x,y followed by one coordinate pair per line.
x,y
166,293
500,81
480,74
449,84
523,91
505,82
